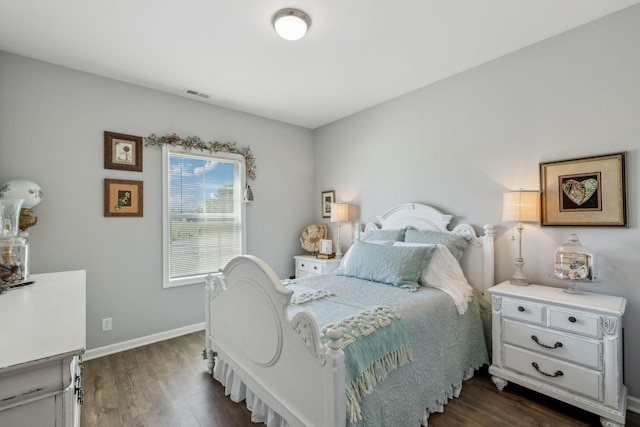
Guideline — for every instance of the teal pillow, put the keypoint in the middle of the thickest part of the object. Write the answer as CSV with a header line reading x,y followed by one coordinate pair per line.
x,y
399,266
397,235
456,244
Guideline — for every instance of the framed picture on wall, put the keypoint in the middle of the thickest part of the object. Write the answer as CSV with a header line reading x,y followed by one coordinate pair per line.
x,y
588,191
328,197
123,152
122,197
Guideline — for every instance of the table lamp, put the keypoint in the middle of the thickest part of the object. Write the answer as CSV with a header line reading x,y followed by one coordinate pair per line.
x,y
520,206
339,214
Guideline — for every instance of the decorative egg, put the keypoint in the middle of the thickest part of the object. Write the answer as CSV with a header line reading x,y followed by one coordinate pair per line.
x,y
22,189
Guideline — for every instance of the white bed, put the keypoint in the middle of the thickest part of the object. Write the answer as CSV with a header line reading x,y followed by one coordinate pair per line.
x,y
277,363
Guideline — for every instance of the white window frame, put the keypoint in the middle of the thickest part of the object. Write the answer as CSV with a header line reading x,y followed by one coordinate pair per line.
x,y
167,281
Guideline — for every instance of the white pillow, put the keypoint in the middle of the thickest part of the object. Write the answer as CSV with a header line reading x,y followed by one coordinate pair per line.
x,y
444,272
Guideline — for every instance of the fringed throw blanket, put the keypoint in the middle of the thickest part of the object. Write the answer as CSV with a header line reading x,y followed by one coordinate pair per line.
x,y
375,343
374,340
307,296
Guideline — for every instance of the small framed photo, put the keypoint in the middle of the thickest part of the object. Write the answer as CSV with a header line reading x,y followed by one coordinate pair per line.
x,y
589,191
326,246
328,197
122,152
122,197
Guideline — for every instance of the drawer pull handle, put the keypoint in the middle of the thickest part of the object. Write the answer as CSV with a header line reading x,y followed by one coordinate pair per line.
x,y
572,319
556,345
520,309
556,374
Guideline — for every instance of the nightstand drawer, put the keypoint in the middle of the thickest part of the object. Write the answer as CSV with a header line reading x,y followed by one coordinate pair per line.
x,y
576,322
302,265
524,311
554,344
309,265
316,268
561,374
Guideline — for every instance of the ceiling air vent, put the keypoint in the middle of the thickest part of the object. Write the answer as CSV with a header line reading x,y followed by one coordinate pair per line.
x,y
196,93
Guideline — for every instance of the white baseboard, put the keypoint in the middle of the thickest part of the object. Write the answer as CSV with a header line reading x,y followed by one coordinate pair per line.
x,y
94,353
633,404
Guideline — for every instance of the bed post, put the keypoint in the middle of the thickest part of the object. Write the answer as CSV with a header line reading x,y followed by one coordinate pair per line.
x,y
335,357
488,254
212,288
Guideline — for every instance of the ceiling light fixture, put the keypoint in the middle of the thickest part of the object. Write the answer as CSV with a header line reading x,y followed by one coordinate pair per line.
x,y
291,24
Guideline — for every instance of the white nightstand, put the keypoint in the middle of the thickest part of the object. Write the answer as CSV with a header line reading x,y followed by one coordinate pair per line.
x,y
309,265
563,345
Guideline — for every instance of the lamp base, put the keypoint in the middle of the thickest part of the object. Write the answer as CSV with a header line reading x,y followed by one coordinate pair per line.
x,y
518,278
338,248
519,282
26,220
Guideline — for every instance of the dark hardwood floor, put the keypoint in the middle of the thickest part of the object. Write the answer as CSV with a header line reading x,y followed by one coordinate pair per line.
x,y
167,384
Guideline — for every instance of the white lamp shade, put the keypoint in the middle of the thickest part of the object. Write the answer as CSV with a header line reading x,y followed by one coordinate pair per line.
x,y
291,24
22,189
521,206
339,212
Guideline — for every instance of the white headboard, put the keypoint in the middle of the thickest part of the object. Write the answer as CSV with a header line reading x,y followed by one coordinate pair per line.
x,y
478,260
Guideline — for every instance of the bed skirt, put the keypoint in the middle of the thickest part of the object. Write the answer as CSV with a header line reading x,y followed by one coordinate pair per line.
x,y
237,390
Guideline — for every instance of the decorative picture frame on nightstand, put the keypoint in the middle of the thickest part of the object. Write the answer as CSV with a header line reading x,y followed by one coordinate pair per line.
x,y
326,246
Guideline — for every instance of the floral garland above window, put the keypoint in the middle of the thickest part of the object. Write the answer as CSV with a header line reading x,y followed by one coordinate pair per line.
x,y
194,142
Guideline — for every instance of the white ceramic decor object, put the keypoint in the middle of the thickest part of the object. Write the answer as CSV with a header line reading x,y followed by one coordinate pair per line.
x,y
22,189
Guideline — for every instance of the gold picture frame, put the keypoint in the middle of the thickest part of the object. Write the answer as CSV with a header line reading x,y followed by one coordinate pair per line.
x,y
122,152
586,191
123,198
328,197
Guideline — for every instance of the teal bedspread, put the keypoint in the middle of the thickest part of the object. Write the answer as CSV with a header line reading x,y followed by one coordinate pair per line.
x,y
441,344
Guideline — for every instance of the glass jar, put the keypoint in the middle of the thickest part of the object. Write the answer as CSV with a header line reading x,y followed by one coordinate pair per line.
x,y
14,260
14,250
574,261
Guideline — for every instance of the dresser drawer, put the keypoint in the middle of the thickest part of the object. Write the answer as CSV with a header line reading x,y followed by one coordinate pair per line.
x,y
574,349
19,386
523,310
574,321
561,374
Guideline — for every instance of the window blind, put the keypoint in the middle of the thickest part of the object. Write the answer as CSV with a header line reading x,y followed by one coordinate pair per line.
x,y
204,220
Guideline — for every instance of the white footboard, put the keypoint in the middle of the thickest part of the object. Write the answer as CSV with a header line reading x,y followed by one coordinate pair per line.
x,y
280,360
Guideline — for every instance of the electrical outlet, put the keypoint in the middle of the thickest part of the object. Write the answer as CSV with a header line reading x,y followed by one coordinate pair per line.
x,y
107,324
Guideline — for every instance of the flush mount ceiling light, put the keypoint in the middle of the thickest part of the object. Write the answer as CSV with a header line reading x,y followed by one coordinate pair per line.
x,y
291,24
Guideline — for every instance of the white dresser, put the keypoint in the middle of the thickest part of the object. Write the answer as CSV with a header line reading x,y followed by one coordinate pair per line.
x,y
42,337
309,265
563,345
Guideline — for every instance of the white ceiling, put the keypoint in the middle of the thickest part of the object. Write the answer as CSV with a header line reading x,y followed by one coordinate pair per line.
x,y
357,53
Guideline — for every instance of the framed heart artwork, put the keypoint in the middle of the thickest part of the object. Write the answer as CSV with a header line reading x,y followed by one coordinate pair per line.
x,y
588,191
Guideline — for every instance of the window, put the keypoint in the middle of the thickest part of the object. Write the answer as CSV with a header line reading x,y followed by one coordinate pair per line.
x,y
203,213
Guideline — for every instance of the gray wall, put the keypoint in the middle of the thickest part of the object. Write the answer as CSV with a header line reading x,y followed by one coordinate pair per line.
x,y
52,121
460,143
